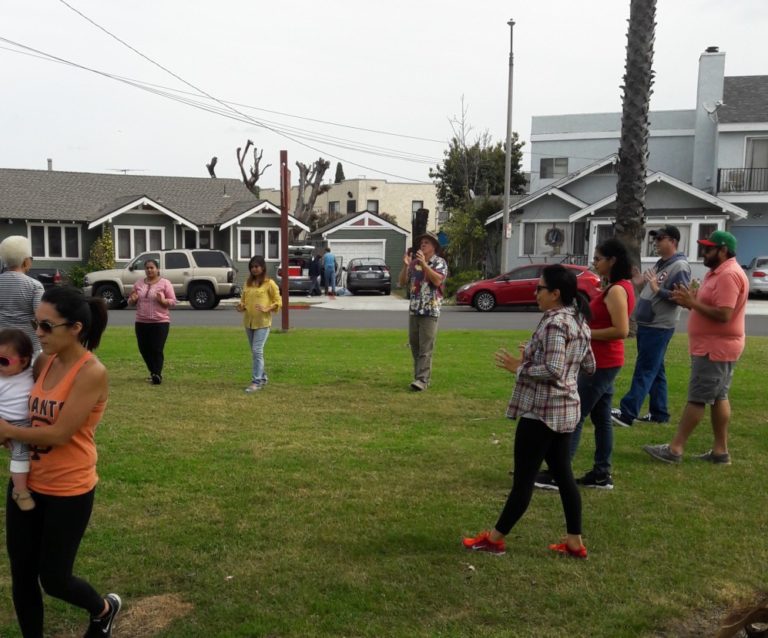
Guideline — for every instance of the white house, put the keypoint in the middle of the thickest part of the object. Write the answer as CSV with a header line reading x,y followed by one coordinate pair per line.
x,y
708,169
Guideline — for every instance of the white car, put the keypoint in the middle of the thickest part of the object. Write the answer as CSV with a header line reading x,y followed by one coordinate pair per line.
x,y
757,273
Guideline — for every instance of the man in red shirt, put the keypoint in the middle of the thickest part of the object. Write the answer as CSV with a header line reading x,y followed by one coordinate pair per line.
x,y
716,336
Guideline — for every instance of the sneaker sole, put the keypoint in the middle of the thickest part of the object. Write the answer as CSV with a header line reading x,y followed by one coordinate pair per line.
x,y
547,486
484,551
597,487
662,458
622,424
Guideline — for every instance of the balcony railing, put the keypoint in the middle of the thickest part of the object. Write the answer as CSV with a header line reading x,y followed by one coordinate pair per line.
x,y
742,180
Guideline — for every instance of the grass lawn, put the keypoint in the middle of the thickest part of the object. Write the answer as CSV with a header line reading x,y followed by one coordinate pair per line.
x,y
332,503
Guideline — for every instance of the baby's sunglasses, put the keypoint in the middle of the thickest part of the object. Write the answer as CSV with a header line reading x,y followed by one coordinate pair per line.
x,y
46,326
6,361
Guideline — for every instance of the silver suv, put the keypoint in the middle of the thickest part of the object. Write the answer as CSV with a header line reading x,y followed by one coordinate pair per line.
x,y
204,277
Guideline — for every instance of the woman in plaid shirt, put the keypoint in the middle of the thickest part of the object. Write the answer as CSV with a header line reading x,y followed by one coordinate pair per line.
x,y
546,400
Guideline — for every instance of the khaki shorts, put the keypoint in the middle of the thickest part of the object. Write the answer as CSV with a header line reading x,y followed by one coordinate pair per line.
x,y
710,380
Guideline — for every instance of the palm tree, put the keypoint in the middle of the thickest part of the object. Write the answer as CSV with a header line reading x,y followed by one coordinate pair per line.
x,y
633,151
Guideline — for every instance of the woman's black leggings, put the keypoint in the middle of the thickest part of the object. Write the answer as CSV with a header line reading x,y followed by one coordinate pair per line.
x,y
534,443
151,338
42,546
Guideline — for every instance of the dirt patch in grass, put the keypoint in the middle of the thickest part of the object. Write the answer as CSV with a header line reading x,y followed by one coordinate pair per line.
x,y
709,622
148,617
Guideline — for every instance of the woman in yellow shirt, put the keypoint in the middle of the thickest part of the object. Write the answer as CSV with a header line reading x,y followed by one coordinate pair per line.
x,y
260,300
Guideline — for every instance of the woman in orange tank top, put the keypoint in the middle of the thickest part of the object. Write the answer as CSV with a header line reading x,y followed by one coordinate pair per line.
x,y
65,407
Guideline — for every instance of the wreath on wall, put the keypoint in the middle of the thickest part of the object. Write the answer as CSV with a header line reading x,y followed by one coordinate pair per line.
x,y
554,237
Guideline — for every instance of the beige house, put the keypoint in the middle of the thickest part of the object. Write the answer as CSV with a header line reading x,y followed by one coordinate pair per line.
x,y
378,196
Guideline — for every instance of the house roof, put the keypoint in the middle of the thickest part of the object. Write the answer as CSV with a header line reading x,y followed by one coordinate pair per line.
x,y
70,196
723,205
745,99
363,219
555,187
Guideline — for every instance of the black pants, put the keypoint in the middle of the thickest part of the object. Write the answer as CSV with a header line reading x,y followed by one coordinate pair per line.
x,y
42,547
151,338
535,442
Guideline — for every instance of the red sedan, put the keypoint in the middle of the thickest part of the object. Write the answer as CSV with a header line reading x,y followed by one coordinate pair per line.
x,y
518,287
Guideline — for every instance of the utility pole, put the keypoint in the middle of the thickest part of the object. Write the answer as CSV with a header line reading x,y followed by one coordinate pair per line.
x,y
285,204
505,227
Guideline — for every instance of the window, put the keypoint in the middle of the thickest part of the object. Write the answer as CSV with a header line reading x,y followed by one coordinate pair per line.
x,y
553,167
416,204
527,272
176,260
211,259
334,208
351,206
372,206
255,241
705,230
138,263
547,238
136,240
54,241
194,239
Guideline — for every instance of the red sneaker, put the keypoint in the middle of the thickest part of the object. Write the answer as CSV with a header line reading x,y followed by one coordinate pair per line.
x,y
483,543
562,548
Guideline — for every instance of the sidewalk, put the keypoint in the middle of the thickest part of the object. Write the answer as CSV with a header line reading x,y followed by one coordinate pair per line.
x,y
352,302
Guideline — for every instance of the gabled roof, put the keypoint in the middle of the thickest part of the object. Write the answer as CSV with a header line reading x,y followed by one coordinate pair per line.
x,y
745,99
240,210
726,207
85,197
124,204
555,187
363,220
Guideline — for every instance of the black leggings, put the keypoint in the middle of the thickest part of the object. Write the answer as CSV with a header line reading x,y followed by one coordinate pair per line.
x,y
535,442
42,547
151,338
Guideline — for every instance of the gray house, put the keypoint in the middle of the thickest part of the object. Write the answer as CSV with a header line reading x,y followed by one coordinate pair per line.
x,y
708,169
364,234
63,213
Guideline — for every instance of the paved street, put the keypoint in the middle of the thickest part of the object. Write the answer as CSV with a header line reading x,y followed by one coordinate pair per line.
x,y
380,312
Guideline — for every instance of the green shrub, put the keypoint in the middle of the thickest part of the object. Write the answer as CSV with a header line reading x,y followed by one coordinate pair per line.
x,y
76,275
454,282
102,256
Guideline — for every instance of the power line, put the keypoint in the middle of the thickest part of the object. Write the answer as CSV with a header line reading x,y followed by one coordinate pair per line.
x,y
224,105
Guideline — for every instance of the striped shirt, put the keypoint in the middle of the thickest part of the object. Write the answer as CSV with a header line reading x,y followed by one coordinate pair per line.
x,y
19,298
546,379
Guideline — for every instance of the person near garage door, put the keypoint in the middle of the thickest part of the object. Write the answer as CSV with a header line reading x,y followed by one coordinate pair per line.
x,y
329,271
425,275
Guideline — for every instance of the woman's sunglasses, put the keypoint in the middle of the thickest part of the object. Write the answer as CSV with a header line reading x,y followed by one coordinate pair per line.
x,y
47,326
6,361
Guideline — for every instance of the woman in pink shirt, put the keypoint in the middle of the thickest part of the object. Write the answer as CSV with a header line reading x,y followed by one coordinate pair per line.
x,y
153,296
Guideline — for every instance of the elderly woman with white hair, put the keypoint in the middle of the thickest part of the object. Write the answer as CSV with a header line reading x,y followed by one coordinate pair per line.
x,y
20,294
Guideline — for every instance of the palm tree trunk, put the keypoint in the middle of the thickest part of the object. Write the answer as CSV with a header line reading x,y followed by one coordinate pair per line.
x,y
633,151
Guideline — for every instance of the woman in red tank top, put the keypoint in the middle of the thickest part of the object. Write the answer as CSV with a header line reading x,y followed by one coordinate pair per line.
x,y
65,407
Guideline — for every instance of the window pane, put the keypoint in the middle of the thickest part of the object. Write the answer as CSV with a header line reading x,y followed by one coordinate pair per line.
x,y
38,241
155,239
705,230
351,205
210,259
205,239
529,238
372,206
139,240
71,244
176,260
123,243
54,241
190,239
416,204
334,208
274,244
258,242
245,244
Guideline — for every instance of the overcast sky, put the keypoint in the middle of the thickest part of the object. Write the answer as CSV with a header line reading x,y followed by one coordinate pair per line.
x,y
396,66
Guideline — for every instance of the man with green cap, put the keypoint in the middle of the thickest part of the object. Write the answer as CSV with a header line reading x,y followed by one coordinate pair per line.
x,y
716,337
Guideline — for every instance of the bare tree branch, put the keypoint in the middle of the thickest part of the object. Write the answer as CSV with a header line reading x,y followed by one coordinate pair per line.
x,y
255,172
212,166
309,188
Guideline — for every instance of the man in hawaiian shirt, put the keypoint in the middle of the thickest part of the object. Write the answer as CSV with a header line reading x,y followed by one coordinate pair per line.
x,y
425,275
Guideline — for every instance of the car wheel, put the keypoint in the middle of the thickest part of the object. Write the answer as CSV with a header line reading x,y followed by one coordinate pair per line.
x,y
484,301
351,291
216,302
201,297
111,296
388,290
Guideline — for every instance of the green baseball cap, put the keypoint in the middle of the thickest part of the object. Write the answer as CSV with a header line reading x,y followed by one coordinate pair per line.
x,y
720,238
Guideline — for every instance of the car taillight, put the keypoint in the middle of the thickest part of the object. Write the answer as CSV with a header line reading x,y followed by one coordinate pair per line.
x,y
57,278
230,276
758,273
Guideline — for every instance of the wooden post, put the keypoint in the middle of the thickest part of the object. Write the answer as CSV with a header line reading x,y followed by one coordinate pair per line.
x,y
285,203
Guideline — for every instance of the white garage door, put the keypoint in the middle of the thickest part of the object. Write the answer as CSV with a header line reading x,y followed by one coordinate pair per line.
x,y
346,250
